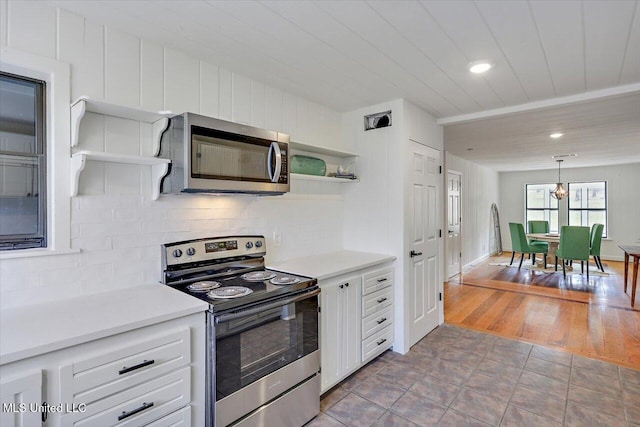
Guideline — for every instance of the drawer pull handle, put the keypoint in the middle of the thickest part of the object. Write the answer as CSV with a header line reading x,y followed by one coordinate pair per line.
x,y
380,300
381,341
144,363
384,319
341,286
346,284
384,279
142,407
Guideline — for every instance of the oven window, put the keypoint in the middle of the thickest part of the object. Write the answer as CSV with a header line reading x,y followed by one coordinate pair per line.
x,y
254,346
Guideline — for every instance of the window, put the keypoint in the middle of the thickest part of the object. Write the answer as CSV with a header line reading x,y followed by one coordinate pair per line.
x,y
588,204
23,201
541,206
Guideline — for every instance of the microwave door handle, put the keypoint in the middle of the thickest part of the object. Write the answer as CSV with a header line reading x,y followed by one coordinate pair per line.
x,y
274,176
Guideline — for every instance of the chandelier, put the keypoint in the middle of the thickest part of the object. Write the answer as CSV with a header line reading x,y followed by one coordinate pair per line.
x,y
559,192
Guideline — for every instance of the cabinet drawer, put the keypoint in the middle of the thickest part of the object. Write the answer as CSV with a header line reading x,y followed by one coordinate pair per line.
x,y
376,301
141,404
94,378
181,418
377,280
377,343
377,321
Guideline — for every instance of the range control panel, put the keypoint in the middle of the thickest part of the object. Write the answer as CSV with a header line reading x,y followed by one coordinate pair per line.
x,y
212,249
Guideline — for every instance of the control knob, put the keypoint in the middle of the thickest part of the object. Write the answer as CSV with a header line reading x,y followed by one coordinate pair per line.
x,y
249,245
177,253
258,243
191,251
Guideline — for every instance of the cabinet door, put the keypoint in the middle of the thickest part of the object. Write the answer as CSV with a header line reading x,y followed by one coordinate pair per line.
x,y
340,326
350,319
21,399
330,335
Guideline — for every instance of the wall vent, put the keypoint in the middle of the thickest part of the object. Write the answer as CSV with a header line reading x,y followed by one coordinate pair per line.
x,y
377,120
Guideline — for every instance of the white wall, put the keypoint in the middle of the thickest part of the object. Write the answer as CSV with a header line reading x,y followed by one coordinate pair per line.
x,y
375,208
480,188
623,203
114,224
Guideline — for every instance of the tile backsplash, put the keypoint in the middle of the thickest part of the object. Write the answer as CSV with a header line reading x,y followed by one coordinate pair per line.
x,y
119,238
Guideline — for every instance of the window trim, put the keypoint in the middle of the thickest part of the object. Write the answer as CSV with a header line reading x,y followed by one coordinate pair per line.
x,y
57,75
39,238
527,209
605,209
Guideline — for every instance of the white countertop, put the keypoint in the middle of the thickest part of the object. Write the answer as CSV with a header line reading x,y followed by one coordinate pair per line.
x,y
38,329
331,264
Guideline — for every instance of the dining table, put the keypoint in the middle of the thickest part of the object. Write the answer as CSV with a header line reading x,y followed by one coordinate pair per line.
x,y
634,252
553,239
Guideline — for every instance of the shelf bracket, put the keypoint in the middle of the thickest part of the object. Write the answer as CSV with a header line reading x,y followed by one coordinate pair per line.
x,y
159,126
78,162
158,172
77,113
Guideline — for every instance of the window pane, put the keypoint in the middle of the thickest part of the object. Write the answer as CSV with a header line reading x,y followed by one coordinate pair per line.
x,y
18,115
23,217
553,221
597,217
575,218
19,194
596,195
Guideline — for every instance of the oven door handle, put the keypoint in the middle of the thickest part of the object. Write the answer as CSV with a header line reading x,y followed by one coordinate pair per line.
x,y
230,316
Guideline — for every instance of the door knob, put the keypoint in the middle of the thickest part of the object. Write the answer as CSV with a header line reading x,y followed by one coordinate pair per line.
x,y
414,253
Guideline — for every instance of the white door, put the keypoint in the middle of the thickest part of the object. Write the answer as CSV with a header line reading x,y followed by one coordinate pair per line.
x,y
454,244
422,216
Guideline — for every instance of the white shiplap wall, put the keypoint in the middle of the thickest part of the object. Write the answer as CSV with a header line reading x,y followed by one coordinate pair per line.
x,y
114,224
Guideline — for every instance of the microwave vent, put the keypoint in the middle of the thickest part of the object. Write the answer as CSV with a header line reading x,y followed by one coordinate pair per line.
x,y
377,120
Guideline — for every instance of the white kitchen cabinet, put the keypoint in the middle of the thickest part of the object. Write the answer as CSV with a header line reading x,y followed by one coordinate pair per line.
x,y
21,396
153,374
356,321
377,312
339,329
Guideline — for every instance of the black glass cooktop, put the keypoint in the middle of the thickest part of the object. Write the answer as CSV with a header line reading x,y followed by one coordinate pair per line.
x,y
262,291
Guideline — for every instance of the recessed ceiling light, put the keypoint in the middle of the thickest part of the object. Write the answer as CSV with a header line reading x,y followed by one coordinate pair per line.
x,y
556,135
559,156
480,66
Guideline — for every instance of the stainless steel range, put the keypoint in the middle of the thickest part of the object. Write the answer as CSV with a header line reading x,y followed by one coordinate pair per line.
x,y
262,331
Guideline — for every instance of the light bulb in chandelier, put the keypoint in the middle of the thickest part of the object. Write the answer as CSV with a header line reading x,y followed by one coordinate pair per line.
x,y
559,192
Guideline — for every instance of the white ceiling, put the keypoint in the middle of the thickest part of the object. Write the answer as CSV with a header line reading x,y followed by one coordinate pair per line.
x,y
349,54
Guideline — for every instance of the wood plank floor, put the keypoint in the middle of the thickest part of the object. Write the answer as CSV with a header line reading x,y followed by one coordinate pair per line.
x,y
594,321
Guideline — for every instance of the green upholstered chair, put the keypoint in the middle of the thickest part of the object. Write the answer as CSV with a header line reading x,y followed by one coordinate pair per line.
x,y
539,227
595,242
520,244
574,245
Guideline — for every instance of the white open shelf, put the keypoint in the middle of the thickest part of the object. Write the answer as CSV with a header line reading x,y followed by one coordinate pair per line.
x,y
159,167
320,150
321,178
83,104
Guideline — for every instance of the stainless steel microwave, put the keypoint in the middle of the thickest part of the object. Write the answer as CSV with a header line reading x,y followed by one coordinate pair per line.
x,y
215,156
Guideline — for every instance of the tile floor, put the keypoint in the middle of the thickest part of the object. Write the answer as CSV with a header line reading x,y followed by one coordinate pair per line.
x,y
458,377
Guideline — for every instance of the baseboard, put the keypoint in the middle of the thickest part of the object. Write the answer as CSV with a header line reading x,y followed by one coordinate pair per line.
x,y
476,261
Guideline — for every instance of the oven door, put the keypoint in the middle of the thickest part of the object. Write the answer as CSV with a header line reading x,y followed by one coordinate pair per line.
x,y
264,352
